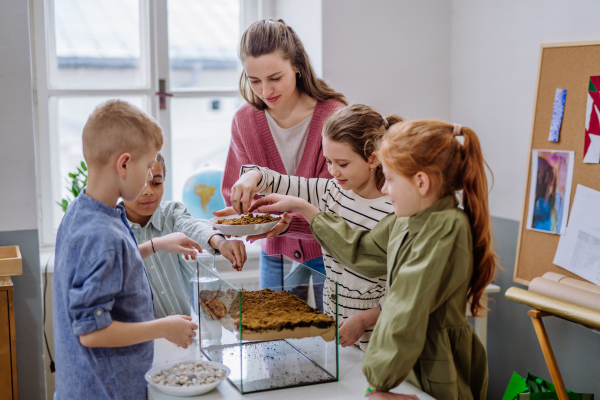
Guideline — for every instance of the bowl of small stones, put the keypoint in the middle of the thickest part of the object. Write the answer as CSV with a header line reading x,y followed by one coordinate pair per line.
x,y
187,378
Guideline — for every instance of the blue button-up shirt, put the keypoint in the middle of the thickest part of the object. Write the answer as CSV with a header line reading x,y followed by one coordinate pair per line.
x,y
99,277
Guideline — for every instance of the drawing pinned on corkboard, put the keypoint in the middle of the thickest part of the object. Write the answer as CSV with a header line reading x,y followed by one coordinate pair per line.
x,y
550,191
557,114
578,250
591,149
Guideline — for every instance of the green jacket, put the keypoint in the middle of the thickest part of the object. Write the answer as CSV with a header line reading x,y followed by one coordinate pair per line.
x,y
429,262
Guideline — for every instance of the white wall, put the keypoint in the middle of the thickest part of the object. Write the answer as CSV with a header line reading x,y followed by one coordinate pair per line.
x,y
393,55
305,17
495,53
18,210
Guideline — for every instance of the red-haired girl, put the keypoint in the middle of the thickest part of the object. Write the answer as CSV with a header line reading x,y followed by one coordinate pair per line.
x,y
439,259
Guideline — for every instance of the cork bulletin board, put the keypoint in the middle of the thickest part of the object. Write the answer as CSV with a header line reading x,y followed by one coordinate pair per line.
x,y
567,66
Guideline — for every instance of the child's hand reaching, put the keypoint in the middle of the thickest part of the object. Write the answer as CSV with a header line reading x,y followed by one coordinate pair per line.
x,y
177,243
243,191
278,203
232,250
179,329
351,330
283,203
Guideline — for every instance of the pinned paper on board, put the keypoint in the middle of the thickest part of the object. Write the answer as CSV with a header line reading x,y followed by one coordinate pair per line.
x,y
557,114
550,192
578,249
591,147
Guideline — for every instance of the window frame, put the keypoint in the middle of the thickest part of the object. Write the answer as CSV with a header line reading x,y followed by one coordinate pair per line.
x,y
154,63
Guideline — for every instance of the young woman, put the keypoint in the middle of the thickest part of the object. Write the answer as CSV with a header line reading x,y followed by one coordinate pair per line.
x,y
438,259
350,137
279,128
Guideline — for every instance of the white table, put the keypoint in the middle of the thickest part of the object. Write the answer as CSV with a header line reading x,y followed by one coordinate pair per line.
x,y
351,384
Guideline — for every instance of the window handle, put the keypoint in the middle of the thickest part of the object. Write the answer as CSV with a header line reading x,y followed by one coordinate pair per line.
x,y
162,94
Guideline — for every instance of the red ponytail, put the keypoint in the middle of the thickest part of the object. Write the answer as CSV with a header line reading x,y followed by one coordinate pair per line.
x,y
431,147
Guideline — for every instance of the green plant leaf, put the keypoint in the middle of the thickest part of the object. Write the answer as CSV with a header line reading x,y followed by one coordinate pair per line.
x,y
75,185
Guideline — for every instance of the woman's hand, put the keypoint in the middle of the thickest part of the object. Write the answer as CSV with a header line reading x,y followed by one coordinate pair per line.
x,y
227,211
282,203
351,329
282,226
224,213
243,191
177,243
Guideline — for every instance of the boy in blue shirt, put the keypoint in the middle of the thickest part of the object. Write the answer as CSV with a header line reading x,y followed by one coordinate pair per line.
x,y
103,316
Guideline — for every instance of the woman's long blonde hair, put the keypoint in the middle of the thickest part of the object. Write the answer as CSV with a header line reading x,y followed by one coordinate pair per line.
x,y
268,36
431,147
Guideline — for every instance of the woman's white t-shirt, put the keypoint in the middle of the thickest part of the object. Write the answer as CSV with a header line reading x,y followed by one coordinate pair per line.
x,y
290,142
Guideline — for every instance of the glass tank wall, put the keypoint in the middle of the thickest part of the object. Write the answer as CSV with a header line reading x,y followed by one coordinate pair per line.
x,y
269,341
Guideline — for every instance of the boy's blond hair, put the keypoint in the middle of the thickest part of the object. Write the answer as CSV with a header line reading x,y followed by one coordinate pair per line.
x,y
117,127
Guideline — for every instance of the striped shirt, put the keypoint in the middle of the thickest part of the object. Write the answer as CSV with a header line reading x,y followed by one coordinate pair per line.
x,y
356,292
170,274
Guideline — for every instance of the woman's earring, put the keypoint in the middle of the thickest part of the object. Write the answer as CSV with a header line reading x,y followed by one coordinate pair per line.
x,y
299,74
371,169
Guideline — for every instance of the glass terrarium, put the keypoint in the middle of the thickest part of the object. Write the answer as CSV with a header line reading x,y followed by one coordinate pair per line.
x,y
274,338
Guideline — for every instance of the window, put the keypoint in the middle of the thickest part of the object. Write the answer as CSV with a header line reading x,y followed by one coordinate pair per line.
x,y
89,51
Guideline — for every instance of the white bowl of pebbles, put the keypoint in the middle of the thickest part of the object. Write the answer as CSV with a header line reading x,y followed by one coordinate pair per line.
x,y
187,378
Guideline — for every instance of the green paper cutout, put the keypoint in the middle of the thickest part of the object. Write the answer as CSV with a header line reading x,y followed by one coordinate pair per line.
x,y
592,88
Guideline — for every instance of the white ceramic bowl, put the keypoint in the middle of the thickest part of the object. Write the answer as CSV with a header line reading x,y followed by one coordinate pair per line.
x,y
242,230
186,391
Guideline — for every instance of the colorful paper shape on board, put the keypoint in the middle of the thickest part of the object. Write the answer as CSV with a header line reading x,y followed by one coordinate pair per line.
x,y
557,114
550,191
591,147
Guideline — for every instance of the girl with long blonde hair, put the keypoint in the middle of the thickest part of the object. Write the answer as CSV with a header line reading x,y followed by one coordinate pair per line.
x,y
350,139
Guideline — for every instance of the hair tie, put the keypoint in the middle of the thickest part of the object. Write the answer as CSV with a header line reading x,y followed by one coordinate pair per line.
x,y
386,124
457,130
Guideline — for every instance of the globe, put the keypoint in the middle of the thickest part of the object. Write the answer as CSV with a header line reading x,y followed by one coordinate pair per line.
x,y
202,192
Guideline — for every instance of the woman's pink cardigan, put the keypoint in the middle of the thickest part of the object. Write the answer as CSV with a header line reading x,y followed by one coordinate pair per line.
x,y
252,143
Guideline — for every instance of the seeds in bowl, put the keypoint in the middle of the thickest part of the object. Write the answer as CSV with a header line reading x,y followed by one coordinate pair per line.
x,y
190,373
249,219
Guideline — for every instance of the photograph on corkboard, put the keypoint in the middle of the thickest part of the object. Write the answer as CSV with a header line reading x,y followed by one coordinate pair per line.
x,y
550,192
591,149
